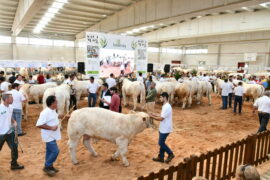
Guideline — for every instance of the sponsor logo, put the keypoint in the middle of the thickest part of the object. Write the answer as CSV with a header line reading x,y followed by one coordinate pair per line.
x,y
117,43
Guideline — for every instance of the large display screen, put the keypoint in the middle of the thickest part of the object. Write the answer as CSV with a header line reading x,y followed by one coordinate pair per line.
x,y
116,62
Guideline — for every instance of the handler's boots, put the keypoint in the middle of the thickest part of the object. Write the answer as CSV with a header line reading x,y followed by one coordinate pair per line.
x,y
158,159
170,157
48,171
53,169
16,166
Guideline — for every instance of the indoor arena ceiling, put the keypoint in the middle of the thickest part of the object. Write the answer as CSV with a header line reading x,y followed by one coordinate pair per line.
x,y
73,17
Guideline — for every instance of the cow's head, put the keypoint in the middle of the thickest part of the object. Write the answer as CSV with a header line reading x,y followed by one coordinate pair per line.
x,y
148,120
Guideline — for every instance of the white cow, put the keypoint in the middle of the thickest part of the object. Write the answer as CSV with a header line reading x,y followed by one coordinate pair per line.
x,y
62,94
168,87
35,91
105,124
133,89
193,91
81,88
253,91
182,93
205,88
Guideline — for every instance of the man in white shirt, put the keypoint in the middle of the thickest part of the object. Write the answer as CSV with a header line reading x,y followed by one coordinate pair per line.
x,y
7,132
111,81
31,80
73,100
205,78
18,99
67,80
263,106
230,92
226,88
48,122
162,79
165,128
92,90
140,78
238,97
4,86
19,80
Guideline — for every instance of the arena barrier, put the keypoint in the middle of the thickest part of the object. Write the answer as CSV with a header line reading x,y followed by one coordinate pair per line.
x,y
221,163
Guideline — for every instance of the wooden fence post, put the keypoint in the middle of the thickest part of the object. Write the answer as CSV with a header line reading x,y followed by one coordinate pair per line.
x,y
249,154
188,169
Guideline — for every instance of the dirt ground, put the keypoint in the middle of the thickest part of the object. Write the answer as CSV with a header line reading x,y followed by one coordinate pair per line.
x,y
198,129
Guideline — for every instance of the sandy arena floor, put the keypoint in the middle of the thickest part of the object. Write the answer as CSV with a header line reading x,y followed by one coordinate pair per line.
x,y
198,129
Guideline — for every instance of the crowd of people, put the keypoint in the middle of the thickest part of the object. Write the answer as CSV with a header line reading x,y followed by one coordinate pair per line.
x,y
110,98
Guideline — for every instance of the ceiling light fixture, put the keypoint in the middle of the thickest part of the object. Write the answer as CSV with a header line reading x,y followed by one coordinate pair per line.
x,y
62,1
55,7
265,4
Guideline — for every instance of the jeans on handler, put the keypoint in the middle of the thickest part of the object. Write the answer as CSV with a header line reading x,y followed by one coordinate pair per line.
x,y
264,118
17,116
10,139
230,99
92,99
238,100
163,147
52,152
224,102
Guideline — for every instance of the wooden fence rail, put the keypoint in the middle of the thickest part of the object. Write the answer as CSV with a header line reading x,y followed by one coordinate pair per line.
x,y
221,163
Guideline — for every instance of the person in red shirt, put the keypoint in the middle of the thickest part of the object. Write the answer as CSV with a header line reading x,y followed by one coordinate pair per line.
x,y
115,100
41,78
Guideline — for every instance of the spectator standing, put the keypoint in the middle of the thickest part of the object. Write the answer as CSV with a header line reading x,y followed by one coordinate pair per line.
x,y
73,100
230,92
19,80
263,106
18,99
225,93
111,81
12,78
238,97
105,92
48,78
40,78
31,80
115,100
92,90
151,98
4,85
140,78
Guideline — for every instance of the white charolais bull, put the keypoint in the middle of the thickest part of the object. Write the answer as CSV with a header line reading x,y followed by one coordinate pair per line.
x,y
35,92
62,94
105,124
182,93
205,89
253,91
133,89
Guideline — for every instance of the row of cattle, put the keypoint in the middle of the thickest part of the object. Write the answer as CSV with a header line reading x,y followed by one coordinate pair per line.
x,y
185,92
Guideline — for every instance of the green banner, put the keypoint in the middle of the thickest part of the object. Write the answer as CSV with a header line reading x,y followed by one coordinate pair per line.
x,y
141,71
92,72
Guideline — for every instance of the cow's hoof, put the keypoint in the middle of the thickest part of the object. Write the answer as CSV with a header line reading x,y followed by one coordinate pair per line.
x,y
126,164
114,159
95,154
75,163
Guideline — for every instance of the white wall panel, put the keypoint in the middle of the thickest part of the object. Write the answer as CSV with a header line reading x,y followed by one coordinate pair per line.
x,y
5,51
